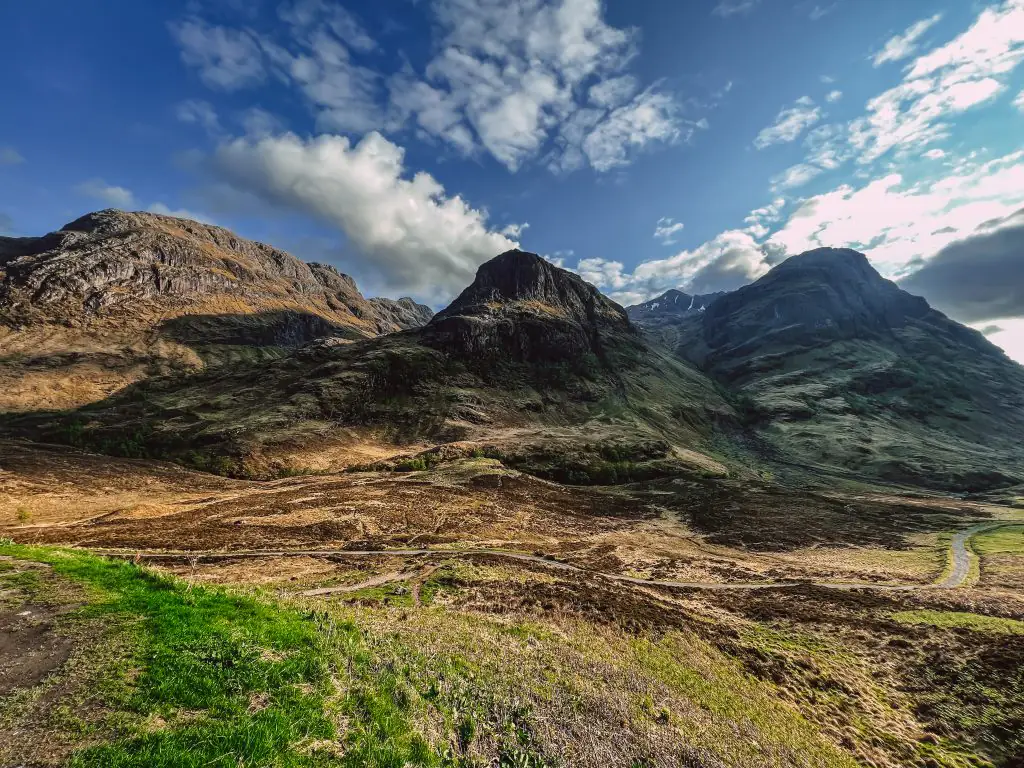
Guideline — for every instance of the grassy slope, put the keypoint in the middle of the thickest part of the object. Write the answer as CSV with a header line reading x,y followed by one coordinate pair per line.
x,y
214,676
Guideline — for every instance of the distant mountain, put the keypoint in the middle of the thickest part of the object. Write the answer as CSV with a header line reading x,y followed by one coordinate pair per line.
x,y
113,297
671,304
839,367
661,318
529,360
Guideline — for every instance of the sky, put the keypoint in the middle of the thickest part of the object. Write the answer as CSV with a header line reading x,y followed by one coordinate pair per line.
x,y
646,144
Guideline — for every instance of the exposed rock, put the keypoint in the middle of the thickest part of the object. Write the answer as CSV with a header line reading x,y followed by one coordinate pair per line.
x,y
403,313
521,307
139,268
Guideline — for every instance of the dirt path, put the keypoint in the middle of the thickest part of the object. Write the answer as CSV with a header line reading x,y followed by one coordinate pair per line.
x,y
960,555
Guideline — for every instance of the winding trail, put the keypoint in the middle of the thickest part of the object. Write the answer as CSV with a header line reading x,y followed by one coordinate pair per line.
x,y
959,555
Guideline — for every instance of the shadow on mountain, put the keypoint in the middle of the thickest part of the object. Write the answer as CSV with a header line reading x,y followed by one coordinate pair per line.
x,y
282,328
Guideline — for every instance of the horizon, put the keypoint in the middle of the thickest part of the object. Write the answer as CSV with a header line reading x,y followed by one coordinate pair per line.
x,y
644,148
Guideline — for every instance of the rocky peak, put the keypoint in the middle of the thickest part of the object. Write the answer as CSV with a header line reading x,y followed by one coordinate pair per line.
x,y
517,281
522,308
140,268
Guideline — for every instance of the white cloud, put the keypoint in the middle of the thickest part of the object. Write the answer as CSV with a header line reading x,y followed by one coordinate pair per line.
x,y
198,112
934,154
10,156
613,91
1019,101
307,15
113,196
345,95
833,96
789,123
725,262
666,230
419,239
516,79
227,59
819,12
727,8
649,118
513,75
897,223
795,176
179,213
970,70
902,46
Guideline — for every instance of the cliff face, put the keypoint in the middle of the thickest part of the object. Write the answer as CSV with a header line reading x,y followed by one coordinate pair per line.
x,y
114,297
134,267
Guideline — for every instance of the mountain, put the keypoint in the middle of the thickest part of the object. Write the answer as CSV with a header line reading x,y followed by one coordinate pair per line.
x,y
661,317
529,362
840,368
114,297
672,304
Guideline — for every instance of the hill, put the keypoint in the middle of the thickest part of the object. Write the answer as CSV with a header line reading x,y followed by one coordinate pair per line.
x,y
529,363
114,297
839,368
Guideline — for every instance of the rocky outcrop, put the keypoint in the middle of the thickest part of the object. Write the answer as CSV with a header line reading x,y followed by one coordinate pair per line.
x,y
143,268
403,313
522,308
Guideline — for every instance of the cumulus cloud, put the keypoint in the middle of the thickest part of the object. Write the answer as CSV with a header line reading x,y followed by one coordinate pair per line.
x,y
515,79
724,263
510,77
108,194
979,278
900,47
790,123
10,156
833,96
666,230
419,239
226,58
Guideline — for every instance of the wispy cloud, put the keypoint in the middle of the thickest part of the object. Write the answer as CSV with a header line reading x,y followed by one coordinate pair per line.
x,y
900,47
790,123
833,96
727,8
666,230
108,194
10,156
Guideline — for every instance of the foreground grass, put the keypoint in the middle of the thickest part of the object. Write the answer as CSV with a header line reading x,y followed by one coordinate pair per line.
x,y
211,676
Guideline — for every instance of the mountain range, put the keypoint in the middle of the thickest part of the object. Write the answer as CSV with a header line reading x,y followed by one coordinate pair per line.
x,y
820,369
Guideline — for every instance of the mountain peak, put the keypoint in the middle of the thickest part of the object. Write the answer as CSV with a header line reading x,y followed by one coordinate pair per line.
x,y
521,280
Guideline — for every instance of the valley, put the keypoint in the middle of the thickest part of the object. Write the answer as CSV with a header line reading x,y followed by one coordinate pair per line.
x,y
249,517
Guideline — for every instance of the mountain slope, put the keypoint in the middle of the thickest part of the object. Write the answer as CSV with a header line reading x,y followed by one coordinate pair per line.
x,y
841,368
114,297
529,360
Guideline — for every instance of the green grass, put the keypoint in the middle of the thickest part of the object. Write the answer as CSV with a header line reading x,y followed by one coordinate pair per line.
x,y
1006,540
961,620
238,680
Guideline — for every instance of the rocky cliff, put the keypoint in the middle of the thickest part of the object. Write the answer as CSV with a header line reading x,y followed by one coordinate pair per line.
x,y
113,297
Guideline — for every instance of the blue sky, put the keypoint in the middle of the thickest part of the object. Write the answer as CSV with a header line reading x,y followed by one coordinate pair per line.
x,y
646,144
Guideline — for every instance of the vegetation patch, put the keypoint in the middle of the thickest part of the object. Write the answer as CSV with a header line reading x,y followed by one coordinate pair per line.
x,y
961,620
